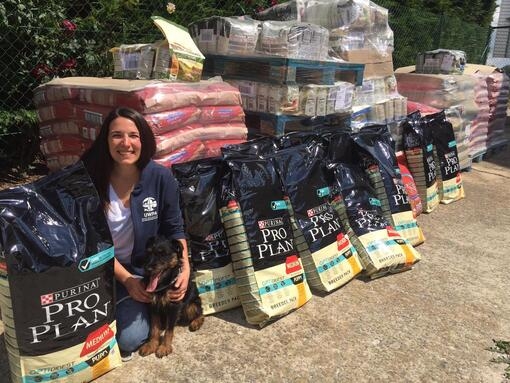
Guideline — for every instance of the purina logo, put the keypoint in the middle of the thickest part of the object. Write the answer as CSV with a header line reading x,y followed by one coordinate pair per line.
x,y
70,292
149,209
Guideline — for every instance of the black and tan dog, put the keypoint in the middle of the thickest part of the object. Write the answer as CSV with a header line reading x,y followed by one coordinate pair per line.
x,y
161,270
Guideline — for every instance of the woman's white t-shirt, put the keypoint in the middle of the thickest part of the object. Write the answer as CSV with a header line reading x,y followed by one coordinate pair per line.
x,y
121,227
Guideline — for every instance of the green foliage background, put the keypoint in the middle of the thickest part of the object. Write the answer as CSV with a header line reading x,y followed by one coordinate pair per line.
x,y
33,36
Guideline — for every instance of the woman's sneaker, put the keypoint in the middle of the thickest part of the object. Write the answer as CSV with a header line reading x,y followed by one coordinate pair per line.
x,y
126,356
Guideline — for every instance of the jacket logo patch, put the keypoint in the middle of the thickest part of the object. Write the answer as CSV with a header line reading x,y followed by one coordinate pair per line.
x,y
149,209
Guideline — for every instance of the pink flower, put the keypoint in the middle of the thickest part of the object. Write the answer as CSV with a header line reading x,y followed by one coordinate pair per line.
x,y
274,2
68,64
69,27
41,70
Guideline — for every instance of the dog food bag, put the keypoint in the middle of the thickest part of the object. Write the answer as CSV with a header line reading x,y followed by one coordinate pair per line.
x,y
419,150
200,185
384,249
329,258
376,143
446,156
56,280
269,273
373,171
409,184
262,145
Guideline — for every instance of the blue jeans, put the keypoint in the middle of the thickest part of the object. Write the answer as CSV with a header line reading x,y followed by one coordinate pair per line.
x,y
133,321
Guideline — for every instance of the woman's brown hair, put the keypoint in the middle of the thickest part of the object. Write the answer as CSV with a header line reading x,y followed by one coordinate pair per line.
x,y
99,162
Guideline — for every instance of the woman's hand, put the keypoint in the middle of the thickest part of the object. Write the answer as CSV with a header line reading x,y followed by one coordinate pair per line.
x,y
133,285
181,285
136,290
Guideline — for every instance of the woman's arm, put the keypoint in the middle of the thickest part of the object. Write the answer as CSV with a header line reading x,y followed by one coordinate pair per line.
x,y
172,226
133,285
181,284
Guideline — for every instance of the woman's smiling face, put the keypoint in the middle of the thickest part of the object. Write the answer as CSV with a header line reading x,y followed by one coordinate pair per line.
x,y
124,141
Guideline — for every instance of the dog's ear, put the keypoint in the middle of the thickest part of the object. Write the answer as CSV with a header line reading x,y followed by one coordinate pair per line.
x,y
150,242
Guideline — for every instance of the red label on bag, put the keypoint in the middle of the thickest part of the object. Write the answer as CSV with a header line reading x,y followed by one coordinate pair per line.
x,y
392,232
342,242
96,339
292,264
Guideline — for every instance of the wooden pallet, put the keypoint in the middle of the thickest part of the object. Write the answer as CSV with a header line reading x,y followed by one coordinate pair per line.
x,y
497,148
259,123
478,157
282,70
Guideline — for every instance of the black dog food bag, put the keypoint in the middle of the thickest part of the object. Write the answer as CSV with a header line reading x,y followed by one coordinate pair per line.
x,y
446,156
56,280
376,143
201,187
329,258
384,249
269,273
419,150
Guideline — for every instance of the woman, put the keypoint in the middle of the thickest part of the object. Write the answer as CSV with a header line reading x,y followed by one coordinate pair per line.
x,y
140,199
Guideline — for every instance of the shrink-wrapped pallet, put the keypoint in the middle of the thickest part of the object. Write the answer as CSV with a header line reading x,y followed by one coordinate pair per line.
x,y
189,120
226,35
294,40
299,100
441,61
453,93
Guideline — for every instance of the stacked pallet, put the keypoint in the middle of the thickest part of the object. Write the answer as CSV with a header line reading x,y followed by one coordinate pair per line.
x,y
281,69
498,87
359,33
189,120
453,93
480,124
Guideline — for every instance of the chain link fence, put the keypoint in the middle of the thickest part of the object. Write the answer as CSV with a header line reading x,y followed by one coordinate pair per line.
x,y
43,39
417,31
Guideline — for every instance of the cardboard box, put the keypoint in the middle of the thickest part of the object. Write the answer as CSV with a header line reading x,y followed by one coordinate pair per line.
x,y
377,63
381,69
367,56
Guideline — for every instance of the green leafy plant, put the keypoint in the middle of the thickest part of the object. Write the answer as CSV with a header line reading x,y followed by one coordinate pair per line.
x,y
502,348
19,139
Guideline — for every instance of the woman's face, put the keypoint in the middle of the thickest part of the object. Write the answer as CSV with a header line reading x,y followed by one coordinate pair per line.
x,y
124,141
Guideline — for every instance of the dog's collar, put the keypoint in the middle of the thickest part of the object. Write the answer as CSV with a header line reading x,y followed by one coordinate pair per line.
x,y
166,286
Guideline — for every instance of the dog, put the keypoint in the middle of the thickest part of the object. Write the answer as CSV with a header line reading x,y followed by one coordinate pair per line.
x,y
161,269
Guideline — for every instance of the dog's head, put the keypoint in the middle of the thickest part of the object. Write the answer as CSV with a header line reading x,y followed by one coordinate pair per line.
x,y
163,263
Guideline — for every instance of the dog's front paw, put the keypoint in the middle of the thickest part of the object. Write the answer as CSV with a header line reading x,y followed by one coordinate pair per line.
x,y
148,348
196,323
163,350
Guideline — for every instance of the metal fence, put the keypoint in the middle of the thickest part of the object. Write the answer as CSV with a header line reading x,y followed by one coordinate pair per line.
x,y
419,31
44,39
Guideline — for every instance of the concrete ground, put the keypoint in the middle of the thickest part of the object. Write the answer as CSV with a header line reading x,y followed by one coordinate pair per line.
x,y
431,324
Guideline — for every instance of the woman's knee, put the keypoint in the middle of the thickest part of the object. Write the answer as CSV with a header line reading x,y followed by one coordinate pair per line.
x,y
133,324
